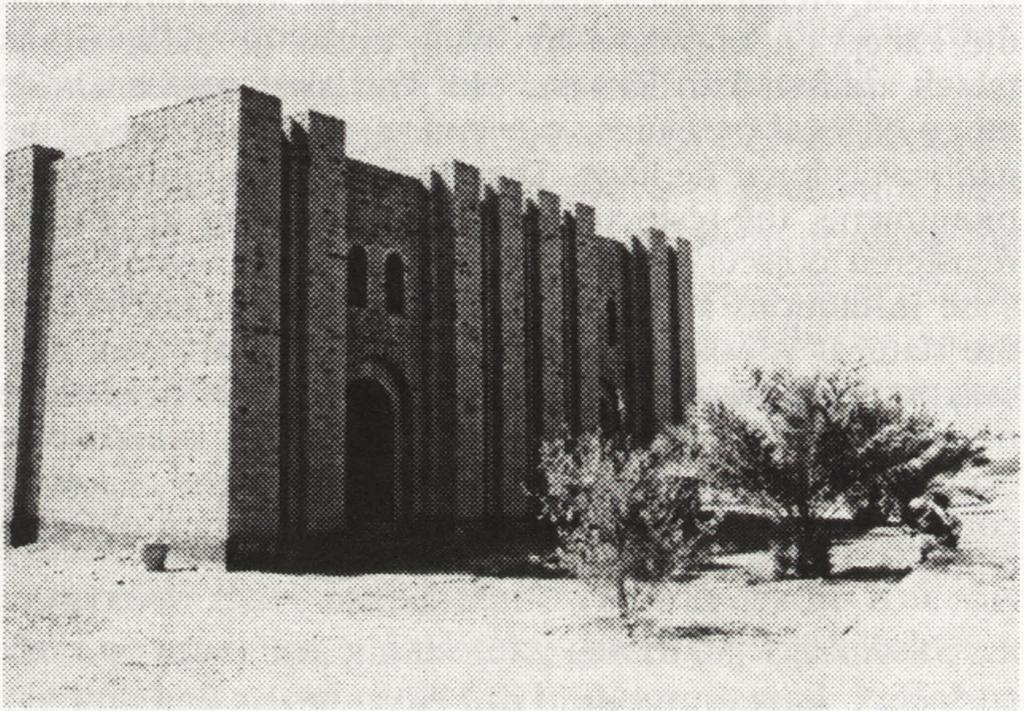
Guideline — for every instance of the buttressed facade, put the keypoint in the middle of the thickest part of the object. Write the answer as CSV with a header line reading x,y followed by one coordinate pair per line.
x,y
227,330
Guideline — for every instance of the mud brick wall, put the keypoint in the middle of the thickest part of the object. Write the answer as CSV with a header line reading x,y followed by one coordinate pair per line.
x,y
553,346
687,349
254,513
612,358
294,313
661,328
493,376
627,339
643,345
426,485
515,426
570,324
314,317
590,317
534,398
463,181
675,341
385,216
201,343
441,362
27,253
139,377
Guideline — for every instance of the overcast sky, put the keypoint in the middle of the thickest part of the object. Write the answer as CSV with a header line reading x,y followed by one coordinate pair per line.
x,y
849,176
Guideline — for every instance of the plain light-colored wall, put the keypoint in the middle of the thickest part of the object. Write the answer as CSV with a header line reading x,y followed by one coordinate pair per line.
x,y
138,383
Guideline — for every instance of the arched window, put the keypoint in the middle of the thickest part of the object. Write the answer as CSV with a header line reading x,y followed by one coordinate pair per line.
x,y
394,284
357,276
612,321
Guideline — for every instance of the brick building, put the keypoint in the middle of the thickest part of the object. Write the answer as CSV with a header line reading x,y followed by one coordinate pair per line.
x,y
226,329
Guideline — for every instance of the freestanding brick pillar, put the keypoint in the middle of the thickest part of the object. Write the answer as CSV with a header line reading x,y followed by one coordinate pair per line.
x,y
28,248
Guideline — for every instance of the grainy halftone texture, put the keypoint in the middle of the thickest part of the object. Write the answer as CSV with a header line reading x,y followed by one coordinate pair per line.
x,y
327,324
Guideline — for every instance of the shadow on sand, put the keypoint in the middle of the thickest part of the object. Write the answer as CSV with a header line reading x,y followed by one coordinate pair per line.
x,y
651,629
710,631
872,573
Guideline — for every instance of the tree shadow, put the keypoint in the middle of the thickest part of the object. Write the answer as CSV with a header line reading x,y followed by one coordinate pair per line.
x,y
718,565
178,569
677,632
650,629
871,573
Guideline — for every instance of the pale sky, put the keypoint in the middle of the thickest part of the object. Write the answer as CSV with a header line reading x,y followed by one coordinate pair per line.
x,y
849,177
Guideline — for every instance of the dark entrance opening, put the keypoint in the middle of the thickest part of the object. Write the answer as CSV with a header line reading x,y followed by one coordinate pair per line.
x,y
369,456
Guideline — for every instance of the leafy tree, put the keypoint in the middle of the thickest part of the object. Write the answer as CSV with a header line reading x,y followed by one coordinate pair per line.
x,y
886,436
899,455
794,456
627,519
940,452
820,441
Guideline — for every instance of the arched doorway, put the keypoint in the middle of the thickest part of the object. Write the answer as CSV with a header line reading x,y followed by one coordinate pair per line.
x,y
370,456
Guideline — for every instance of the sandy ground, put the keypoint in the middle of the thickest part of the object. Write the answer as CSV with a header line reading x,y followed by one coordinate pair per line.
x,y
951,631
81,629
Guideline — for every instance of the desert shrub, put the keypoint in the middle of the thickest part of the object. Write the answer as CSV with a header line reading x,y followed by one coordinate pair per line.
x,y
627,519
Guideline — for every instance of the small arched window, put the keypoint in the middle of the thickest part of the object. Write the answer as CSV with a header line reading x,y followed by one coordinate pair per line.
x,y
394,284
612,321
357,276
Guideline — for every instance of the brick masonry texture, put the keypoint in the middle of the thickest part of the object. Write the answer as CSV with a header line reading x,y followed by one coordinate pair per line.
x,y
555,378
313,421
184,328
136,433
687,347
254,516
661,327
590,290
513,347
